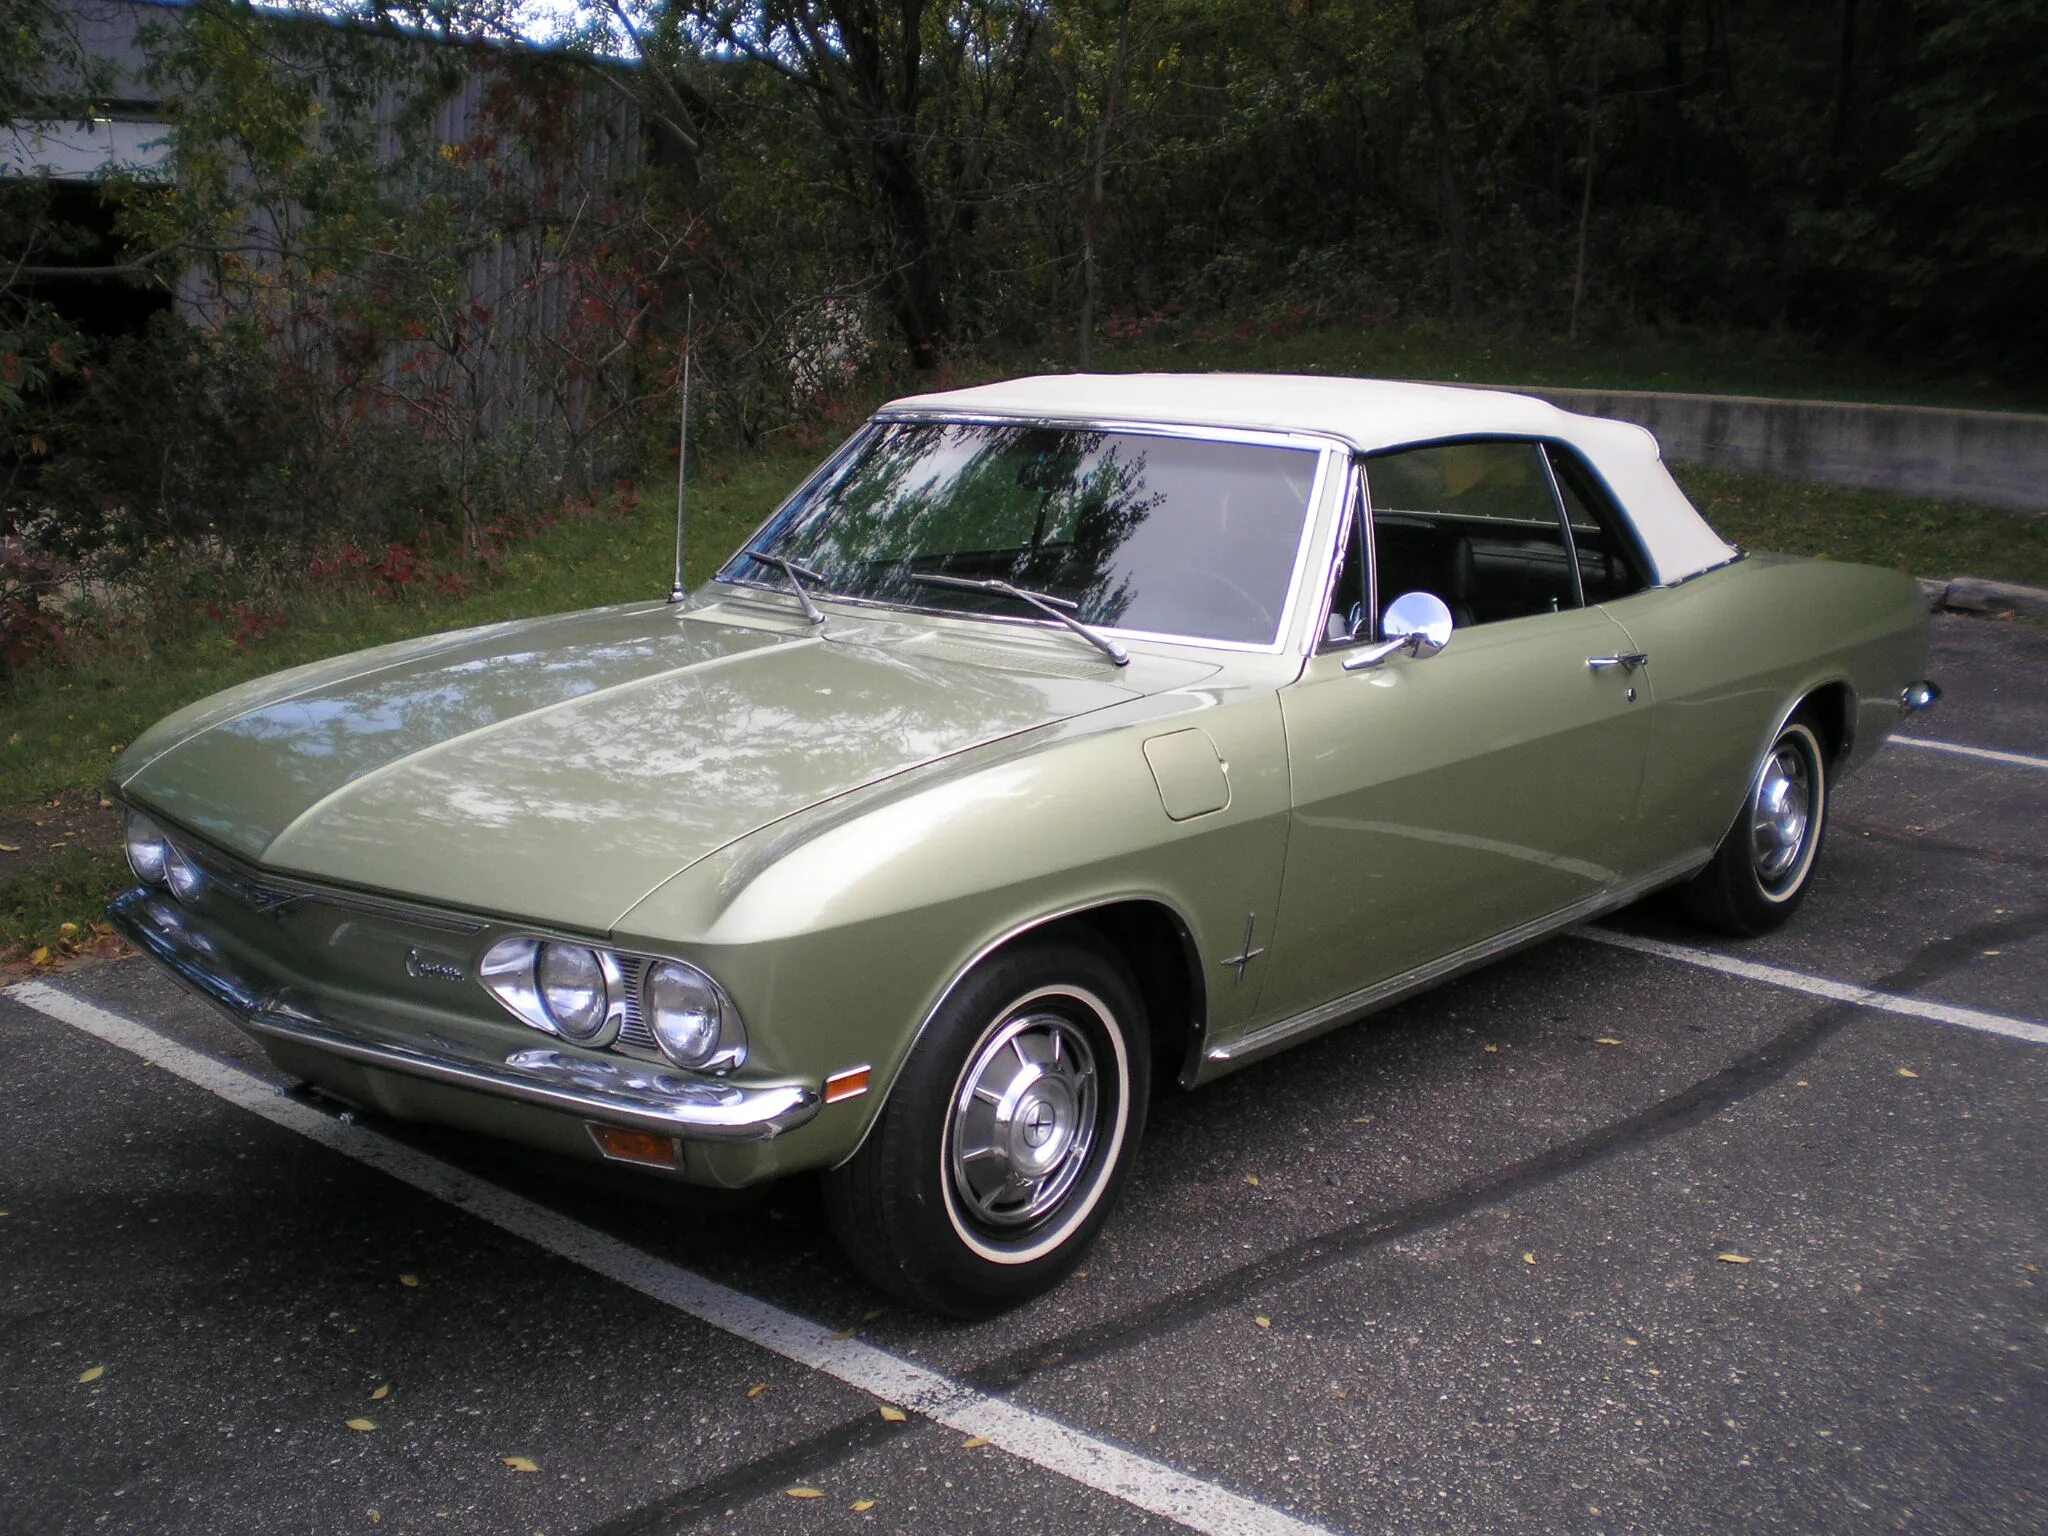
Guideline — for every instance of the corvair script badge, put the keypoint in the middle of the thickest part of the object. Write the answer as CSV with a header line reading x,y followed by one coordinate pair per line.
x,y
426,968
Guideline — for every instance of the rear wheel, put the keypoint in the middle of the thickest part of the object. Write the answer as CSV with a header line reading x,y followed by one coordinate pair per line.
x,y
1006,1136
1762,869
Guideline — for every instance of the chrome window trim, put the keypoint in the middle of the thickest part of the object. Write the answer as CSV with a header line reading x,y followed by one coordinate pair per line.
x,y
1740,554
1644,564
1564,521
1354,520
1324,446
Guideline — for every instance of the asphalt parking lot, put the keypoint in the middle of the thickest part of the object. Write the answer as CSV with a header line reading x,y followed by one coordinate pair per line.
x,y
1612,1236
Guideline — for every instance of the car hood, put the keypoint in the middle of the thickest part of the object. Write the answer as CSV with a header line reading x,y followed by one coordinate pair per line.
x,y
560,769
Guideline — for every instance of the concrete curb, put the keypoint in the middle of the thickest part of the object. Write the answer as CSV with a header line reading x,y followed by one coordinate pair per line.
x,y
1973,594
1992,458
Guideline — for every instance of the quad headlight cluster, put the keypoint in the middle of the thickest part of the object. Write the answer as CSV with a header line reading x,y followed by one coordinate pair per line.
x,y
158,861
589,995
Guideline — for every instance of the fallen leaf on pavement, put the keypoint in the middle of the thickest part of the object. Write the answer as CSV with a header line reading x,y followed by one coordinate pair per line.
x,y
1733,1258
861,1506
1907,1072
804,1493
974,1442
520,1463
1607,1040
844,1333
408,1280
1263,1322
893,1415
92,1375
1528,1258
381,1393
361,1426
757,1389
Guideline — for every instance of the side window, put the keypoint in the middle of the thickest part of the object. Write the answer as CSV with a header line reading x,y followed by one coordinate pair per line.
x,y
1609,565
1475,523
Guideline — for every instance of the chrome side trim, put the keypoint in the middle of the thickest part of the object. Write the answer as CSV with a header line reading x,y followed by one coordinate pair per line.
x,y
1269,1038
617,1092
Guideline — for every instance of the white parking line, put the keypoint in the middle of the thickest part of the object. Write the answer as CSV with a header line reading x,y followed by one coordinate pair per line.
x,y
1034,1437
2014,759
1820,986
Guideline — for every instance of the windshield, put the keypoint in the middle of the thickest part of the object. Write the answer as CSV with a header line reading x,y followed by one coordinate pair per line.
x,y
1162,535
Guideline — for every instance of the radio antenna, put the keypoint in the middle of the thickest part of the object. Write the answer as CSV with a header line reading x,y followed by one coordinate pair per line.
x,y
675,592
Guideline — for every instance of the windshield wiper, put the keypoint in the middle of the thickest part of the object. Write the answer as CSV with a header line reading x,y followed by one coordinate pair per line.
x,y
813,614
1044,602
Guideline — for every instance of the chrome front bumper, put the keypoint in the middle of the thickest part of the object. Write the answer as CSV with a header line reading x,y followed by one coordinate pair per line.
x,y
638,1095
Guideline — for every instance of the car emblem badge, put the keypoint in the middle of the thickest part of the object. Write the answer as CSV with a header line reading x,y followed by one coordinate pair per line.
x,y
265,898
422,967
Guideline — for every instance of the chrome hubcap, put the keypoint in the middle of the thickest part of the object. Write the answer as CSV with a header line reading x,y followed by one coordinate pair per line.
x,y
1781,811
1024,1123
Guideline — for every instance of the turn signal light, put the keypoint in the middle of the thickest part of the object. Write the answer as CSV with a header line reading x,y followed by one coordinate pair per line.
x,y
850,1084
642,1147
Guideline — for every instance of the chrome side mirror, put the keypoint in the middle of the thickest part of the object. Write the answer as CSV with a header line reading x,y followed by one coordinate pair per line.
x,y
1416,622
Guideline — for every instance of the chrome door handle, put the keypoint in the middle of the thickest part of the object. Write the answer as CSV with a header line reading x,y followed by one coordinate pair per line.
x,y
1628,661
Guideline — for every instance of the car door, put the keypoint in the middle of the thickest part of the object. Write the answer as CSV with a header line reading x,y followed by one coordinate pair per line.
x,y
1440,802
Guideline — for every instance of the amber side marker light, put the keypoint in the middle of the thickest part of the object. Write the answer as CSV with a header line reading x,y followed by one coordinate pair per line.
x,y
642,1147
850,1084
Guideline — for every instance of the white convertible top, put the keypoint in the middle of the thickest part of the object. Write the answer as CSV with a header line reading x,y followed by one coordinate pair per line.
x,y
1369,415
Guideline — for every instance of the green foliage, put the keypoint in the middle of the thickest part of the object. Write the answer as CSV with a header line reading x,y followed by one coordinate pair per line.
x,y
429,291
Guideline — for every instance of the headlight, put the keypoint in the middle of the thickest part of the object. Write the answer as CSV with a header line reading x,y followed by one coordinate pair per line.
x,y
572,987
685,1013
603,999
181,874
147,849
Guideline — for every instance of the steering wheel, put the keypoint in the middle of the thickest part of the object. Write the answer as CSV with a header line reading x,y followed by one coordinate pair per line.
x,y
1240,599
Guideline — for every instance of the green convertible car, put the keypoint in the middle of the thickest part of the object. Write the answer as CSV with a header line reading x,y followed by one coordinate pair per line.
x,y
1056,738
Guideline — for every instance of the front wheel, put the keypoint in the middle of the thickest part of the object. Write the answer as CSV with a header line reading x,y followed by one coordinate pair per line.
x,y
1761,871
1006,1136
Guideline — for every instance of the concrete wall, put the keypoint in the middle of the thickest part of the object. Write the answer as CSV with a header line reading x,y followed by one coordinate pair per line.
x,y
1994,458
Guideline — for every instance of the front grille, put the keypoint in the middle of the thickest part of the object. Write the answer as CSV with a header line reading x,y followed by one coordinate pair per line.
x,y
633,1031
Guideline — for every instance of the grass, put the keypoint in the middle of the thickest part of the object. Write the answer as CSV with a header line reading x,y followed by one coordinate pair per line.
x,y
1685,361
62,728
1928,538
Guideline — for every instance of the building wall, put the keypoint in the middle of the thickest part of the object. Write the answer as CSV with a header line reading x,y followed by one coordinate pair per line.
x,y
510,276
